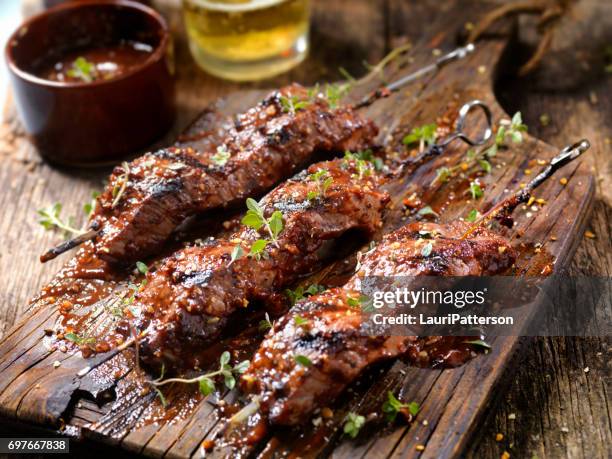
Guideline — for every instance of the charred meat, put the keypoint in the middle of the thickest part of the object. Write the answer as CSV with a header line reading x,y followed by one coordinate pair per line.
x,y
321,345
188,301
148,198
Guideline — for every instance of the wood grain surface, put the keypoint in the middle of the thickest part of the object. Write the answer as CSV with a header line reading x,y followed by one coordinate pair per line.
x,y
571,415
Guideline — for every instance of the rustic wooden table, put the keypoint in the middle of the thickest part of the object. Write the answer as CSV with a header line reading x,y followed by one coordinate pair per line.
x,y
556,402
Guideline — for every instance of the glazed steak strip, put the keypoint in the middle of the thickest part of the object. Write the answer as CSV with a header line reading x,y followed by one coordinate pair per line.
x,y
187,302
145,201
319,347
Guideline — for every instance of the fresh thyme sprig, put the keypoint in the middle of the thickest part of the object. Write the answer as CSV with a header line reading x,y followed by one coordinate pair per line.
x,y
334,93
236,254
353,424
82,69
292,104
362,302
476,190
364,160
392,407
265,324
512,129
80,340
300,293
472,216
323,180
301,322
90,206
424,136
427,210
127,297
507,129
121,184
427,249
221,157
256,220
206,382
50,218
480,343
302,360
365,163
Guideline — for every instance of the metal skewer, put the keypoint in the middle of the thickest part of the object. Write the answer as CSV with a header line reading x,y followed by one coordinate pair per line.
x,y
503,210
438,148
442,61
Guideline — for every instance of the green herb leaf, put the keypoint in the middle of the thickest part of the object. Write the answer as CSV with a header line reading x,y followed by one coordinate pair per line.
x,y
90,206
500,136
82,69
313,289
292,104
361,302
78,339
476,190
252,220
229,381
237,253
480,343
221,157
300,321
427,210
142,268
303,360
424,134
252,205
206,386
472,216
241,367
442,174
299,293
258,248
275,224
335,92
265,324
50,218
161,397
426,250
225,358
353,424
485,165
393,406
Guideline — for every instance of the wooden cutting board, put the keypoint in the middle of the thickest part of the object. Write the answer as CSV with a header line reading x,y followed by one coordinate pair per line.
x,y
34,392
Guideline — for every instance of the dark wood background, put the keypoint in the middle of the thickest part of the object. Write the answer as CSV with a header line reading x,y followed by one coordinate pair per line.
x,y
556,401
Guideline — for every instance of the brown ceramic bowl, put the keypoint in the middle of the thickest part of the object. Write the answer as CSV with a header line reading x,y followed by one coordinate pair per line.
x,y
98,122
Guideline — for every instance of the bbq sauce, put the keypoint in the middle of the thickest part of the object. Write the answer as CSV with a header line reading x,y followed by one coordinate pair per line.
x,y
95,64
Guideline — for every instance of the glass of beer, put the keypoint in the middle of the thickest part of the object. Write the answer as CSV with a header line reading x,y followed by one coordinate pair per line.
x,y
244,40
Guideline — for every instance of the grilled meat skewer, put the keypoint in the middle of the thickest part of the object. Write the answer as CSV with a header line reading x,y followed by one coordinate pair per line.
x,y
147,199
188,301
312,353
301,367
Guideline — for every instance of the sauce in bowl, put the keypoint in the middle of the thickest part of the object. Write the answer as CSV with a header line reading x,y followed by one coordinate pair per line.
x,y
93,81
88,65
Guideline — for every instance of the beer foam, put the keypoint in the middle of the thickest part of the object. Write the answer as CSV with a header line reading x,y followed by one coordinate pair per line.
x,y
248,5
